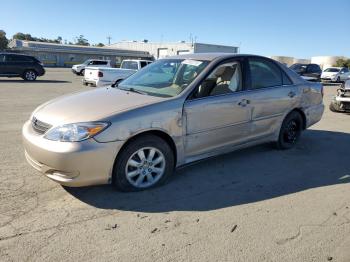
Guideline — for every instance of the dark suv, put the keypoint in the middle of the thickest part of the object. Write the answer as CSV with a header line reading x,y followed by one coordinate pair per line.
x,y
311,72
14,65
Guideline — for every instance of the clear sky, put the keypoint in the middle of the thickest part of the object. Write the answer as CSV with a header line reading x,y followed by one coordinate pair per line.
x,y
299,28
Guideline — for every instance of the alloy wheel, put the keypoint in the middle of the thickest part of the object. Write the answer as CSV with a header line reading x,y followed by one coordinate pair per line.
x,y
30,75
145,167
291,132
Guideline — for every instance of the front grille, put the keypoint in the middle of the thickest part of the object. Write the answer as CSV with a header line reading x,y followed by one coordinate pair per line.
x,y
346,106
40,127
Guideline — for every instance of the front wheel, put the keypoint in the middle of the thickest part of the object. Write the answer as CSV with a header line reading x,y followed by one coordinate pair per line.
x,y
290,131
145,162
82,72
29,75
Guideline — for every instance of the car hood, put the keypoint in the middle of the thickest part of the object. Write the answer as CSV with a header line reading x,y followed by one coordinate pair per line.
x,y
90,105
79,65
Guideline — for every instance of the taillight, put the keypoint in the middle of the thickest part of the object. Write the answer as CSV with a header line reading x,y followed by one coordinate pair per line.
x,y
100,74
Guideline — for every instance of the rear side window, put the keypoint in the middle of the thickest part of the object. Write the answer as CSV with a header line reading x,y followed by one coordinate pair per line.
x,y
264,74
143,64
19,58
130,65
286,80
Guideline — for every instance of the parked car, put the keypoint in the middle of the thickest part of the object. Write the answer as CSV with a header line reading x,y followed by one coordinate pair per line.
x,y
341,102
175,111
335,74
17,65
80,68
310,72
97,76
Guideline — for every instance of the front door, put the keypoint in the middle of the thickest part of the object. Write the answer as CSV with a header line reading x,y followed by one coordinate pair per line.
x,y
218,114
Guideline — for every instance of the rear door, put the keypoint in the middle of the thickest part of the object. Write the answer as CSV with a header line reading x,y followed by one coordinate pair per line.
x,y
218,114
271,95
2,64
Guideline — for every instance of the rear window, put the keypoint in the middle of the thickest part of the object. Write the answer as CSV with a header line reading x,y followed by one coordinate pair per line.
x,y
130,65
143,64
314,68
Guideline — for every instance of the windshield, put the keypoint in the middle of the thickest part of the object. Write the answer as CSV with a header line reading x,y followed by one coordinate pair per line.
x,y
129,65
333,70
87,62
165,77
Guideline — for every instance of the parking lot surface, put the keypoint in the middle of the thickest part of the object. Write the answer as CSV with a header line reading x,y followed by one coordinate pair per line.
x,y
257,204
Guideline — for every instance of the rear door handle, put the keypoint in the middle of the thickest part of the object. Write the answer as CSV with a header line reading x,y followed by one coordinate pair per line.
x,y
291,94
243,102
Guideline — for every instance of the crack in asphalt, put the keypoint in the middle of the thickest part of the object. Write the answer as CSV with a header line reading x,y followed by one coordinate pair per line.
x,y
299,233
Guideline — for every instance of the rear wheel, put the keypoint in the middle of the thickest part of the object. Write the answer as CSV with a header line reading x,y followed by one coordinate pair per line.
x,y
145,162
290,131
29,75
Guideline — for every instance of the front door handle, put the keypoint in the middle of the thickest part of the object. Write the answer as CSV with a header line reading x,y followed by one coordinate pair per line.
x,y
291,94
243,102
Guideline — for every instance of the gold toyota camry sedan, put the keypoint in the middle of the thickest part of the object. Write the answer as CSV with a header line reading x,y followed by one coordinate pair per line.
x,y
172,112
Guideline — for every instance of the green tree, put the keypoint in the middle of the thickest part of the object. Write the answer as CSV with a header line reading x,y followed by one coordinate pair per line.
x,y
99,45
3,40
80,40
343,63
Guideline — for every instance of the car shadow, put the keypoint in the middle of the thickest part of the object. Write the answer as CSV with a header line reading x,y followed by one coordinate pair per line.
x,y
320,159
38,81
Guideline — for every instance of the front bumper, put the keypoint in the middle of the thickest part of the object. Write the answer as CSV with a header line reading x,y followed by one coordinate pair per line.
x,y
74,71
328,79
341,103
70,163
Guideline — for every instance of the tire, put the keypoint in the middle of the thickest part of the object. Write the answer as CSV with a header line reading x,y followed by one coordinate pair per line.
x,y
338,79
82,72
134,173
332,108
290,131
30,75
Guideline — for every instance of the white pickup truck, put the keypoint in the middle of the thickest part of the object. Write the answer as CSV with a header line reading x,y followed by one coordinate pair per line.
x,y
97,76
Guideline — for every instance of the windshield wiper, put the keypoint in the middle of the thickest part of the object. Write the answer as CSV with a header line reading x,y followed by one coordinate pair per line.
x,y
131,89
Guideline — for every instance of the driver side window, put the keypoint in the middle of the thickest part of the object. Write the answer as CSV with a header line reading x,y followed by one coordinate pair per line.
x,y
225,79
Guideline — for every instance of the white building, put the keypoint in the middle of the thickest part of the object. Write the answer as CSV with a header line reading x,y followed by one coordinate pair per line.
x,y
160,50
288,60
326,61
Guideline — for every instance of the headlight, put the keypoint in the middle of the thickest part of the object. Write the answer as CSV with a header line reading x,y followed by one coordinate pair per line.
x,y
76,132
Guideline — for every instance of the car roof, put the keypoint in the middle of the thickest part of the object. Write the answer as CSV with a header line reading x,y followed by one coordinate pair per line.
x,y
210,56
5,53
